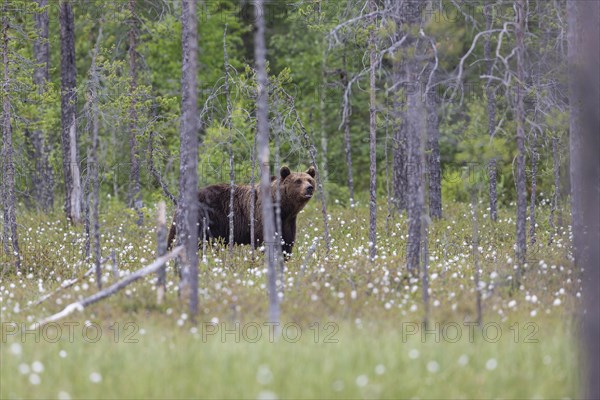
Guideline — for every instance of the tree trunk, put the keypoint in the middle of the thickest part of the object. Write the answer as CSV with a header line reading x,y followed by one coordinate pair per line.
x,y
347,142
262,144
414,129
425,274
93,163
520,181
400,154
253,199
534,158
279,257
68,72
434,168
491,110
43,177
187,229
161,250
230,216
556,198
475,250
372,143
388,194
324,139
135,194
583,23
576,147
8,173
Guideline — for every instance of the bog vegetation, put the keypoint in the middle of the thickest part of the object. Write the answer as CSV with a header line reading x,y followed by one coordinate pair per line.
x,y
446,250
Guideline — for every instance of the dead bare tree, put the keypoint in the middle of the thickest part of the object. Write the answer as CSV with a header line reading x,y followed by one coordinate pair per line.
x,y
43,177
400,154
8,168
475,250
262,144
432,149
434,169
322,124
68,73
491,108
135,194
520,181
93,114
534,159
278,128
161,240
230,216
372,140
557,192
253,198
109,291
187,224
346,123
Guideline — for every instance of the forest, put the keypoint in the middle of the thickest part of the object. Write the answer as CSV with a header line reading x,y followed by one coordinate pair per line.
x,y
300,199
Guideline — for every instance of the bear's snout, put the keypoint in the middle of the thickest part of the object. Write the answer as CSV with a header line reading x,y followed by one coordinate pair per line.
x,y
309,191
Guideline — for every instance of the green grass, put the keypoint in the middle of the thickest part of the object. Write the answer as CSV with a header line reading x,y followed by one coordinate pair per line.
x,y
374,307
370,362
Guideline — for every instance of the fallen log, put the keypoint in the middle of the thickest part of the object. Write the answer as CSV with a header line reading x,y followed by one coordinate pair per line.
x,y
80,305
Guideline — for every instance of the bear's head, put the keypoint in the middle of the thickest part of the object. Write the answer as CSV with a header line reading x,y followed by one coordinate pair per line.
x,y
297,188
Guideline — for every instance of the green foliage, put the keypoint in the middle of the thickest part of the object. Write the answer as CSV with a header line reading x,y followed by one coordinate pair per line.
x,y
305,61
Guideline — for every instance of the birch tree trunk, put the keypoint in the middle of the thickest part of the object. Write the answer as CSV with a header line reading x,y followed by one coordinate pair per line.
x,y
43,178
372,141
8,170
434,168
556,198
400,154
93,163
414,129
230,216
187,230
322,110
491,110
161,250
520,181
68,73
534,159
262,144
135,194
253,198
279,257
347,141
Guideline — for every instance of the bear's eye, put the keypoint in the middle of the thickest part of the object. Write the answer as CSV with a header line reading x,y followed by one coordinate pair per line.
x,y
298,181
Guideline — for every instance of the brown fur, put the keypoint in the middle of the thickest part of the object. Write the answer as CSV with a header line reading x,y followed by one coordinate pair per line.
x,y
296,190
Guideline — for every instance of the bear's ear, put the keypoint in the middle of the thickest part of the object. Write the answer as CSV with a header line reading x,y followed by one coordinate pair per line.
x,y
284,172
311,171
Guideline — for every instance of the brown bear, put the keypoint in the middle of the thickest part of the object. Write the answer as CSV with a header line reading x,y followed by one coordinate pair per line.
x,y
296,190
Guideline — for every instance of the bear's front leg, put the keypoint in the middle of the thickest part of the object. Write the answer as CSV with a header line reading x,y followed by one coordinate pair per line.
x,y
289,236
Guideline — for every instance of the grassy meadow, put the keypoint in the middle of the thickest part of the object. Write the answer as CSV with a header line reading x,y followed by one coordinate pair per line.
x,y
349,328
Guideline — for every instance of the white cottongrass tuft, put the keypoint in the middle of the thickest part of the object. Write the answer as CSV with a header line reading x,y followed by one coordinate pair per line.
x,y
37,367
491,364
433,367
362,380
95,377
